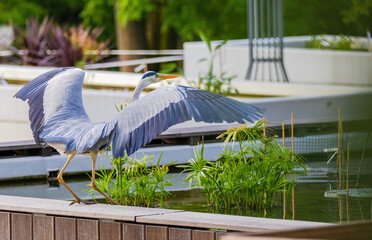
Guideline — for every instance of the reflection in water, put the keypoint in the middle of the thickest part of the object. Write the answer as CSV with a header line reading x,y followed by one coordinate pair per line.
x,y
311,204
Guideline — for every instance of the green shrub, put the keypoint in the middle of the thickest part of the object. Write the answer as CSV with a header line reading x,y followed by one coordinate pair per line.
x,y
135,182
246,178
342,42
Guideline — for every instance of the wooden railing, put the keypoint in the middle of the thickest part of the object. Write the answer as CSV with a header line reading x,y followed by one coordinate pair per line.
x,y
30,218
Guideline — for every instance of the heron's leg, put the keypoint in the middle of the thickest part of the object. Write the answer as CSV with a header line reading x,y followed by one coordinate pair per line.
x,y
60,179
94,159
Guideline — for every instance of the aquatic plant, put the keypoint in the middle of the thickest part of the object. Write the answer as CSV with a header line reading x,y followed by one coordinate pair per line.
x,y
135,181
209,81
246,178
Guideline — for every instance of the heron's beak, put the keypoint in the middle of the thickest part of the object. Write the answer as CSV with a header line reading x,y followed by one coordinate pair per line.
x,y
163,76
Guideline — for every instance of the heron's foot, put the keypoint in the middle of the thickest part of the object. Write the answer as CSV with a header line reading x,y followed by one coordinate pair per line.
x,y
83,202
112,202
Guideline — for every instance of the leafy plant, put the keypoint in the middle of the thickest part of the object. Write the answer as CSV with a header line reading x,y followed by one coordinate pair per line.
x,y
34,43
219,84
86,40
67,54
52,45
135,182
337,43
247,178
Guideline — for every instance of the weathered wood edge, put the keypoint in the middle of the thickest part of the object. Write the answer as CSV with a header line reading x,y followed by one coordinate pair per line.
x,y
153,216
62,208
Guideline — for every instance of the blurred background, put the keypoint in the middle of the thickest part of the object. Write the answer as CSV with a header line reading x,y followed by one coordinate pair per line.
x,y
165,24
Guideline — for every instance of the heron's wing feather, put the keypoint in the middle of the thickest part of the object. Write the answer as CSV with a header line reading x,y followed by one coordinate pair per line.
x,y
54,97
154,113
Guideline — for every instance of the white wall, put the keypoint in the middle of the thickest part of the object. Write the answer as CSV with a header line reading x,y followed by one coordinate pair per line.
x,y
305,66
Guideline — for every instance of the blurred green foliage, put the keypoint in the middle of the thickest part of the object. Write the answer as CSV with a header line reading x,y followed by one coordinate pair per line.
x,y
341,42
62,11
334,17
223,19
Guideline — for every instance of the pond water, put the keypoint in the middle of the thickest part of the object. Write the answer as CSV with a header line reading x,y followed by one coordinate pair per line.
x,y
314,197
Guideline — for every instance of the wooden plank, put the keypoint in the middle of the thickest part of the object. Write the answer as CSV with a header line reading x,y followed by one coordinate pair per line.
x,y
65,228
156,233
203,235
110,230
242,237
356,230
43,227
87,229
179,234
21,226
133,231
5,225
221,235
226,222
62,208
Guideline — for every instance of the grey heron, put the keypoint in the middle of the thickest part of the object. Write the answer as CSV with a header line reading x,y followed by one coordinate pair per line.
x,y
58,117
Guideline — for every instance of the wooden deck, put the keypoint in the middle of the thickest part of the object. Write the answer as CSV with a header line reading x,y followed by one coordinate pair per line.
x,y
360,230
30,218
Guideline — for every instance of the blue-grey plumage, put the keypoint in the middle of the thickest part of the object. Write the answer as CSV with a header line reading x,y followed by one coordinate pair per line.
x,y
58,117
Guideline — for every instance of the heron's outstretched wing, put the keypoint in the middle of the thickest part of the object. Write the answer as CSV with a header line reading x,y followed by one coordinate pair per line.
x,y
54,97
154,113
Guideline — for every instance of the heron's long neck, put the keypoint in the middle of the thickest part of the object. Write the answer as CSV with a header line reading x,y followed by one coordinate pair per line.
x,y
137,91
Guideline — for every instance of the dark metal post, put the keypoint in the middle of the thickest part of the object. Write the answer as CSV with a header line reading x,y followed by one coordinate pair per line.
x,y
250,37
280,18
274,39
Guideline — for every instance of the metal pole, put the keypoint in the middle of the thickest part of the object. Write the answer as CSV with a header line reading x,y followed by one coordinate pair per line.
x,y
262,25
250,41
256,35
268,36
275,40
280,17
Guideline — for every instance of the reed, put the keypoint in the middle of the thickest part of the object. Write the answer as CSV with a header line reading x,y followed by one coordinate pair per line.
x,y
292,148
339,162
347,181
361,160
284,190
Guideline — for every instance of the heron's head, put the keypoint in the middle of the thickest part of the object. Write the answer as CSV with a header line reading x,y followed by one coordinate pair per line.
x,y
147,79
153,77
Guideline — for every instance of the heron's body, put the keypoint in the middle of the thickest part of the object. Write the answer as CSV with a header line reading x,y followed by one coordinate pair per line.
x,y
58,117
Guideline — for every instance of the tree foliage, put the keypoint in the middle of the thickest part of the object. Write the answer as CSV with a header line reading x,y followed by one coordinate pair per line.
x,y
227,19
222,19
62,11
359,14
327,17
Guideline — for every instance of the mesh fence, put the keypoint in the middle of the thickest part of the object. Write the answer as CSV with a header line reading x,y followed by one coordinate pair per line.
x,y
320,144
